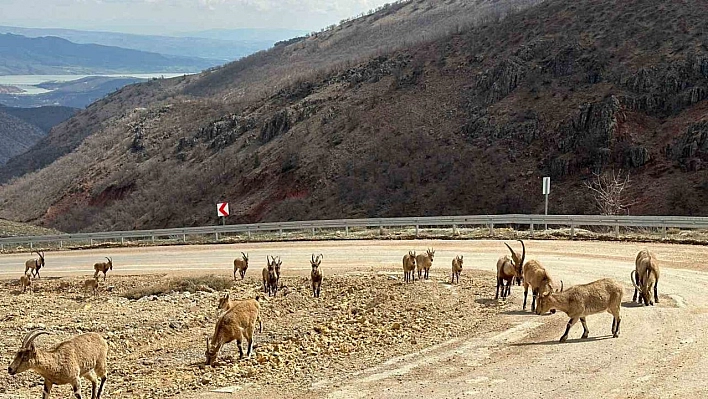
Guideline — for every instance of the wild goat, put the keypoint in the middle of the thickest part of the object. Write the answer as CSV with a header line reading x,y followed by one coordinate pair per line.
x,y
508,269
456,269
316,275
81,356
423,263
226,304
25,282
91,284
33,265
270,278
645,277
237,324
536,276
277,264
102,267
241,265
580,301
409,267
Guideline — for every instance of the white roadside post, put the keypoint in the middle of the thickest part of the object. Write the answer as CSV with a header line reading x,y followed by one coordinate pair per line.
x,y
546,191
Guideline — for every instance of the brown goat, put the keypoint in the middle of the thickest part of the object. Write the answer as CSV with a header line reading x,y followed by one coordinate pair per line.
x,y
580,301
25,282
270,278
423,263
226,303
91,284
541,283
237,324
645,277
316,275
81,356
102,267
241,265
456,269
508,269
409,267
33,265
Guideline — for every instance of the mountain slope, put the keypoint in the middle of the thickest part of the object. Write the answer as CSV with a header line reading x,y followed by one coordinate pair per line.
x,y
467,122
16,136
44,118
21,55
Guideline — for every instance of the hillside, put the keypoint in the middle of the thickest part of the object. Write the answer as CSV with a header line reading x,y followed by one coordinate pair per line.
x,y
20,55
21,128
466,120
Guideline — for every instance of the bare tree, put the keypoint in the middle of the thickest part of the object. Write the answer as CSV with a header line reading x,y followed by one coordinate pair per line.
x,y
608,190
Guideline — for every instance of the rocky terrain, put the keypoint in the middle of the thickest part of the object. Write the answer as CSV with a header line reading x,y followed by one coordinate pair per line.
x,y
465,120
157,341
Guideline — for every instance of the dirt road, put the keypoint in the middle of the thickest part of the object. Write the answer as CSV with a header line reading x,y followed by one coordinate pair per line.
x,y
658,354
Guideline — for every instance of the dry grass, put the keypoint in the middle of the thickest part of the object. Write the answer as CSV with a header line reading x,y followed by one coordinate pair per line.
x,y
183,284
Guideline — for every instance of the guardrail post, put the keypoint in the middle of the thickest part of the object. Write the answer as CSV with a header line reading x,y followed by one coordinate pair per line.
x,y
280,232
217,236
346,230
416,230
531,229
184,237
91,241
454,229
617,231
572,231
122,240
491,229
663,232
381,230
31,245
153,237
313,231
249,234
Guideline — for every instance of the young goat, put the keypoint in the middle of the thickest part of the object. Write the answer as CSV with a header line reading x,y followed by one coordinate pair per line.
x,y
81,356
33,265
424,262
226,304
270,278
508,269
91,284
25,282
237,324
536,276
645,277
241,265
277,264
409,267
316,275
102,267
456,269
580,301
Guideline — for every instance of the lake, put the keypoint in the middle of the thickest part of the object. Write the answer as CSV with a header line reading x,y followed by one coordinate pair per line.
x,y
27,82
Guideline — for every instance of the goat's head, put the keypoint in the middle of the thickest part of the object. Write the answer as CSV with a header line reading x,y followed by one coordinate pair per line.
x,y
25,356
459,261
271,263
645,286
245,257
518,261
40,261
543,304
411,257
431,253
223,302
110,263
211,352
315,261
277,264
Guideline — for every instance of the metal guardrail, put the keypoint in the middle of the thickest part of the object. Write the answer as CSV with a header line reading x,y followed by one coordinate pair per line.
x,y
573,221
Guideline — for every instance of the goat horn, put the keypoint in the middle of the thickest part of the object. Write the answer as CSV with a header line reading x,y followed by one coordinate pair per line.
x,y
30,337
320,257
631,277
561,285
512,251
107,258
523,253
313,259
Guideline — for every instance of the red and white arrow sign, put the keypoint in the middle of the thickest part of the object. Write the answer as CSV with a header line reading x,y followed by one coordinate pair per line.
x,y
222,209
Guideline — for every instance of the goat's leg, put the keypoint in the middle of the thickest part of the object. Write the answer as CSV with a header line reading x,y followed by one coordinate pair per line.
x,y
616,326
526,293
571,322
100,387
656,291
240,350
47,389
499,282
586,332
76,386
534,293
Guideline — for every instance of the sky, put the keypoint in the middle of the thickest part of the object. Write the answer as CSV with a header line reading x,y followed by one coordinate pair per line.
x,y
171,16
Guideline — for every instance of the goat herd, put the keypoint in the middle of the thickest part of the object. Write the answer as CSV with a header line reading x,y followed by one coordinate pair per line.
x,y
85,355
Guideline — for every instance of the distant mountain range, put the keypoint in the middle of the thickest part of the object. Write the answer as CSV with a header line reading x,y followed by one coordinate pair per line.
x,y
220,45
21,55
21,128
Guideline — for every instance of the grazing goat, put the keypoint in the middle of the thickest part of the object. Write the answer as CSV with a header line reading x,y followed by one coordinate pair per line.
x,y
270,278
236,324
102,267
316,275
241,265
456,269
536,276
25,282
423,263
81,356
33,265
409,267
226,304
508,269
91,284
645,277
580,301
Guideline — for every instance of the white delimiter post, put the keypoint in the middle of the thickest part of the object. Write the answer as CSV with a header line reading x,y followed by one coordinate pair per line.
x,y
546,191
